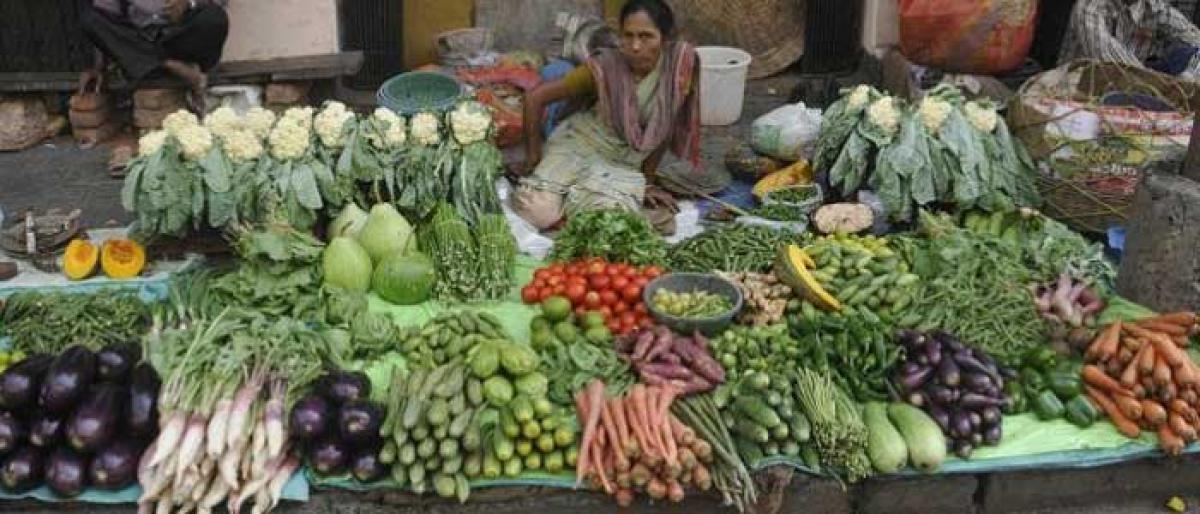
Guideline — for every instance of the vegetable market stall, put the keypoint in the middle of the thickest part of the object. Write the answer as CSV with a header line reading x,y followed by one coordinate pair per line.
x,y
412,348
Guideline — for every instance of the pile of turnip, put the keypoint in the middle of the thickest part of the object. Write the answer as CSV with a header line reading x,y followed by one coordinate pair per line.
x,y
1071,307
77,419
662,358
961,388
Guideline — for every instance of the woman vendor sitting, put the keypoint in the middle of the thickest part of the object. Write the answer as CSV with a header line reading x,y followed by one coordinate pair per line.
x,y
644,102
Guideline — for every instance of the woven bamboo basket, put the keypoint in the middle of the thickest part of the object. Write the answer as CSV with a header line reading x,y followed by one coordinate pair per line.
x,y
1089,183
772,31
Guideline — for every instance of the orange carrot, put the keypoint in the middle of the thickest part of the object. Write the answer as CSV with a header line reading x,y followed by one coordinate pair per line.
x,y
1186,375
604,462
1094,376
593,404
1146,361
1153,413
620,463
637,416
1130,407
1164,328
685,433
664,411
1125,356
1105,345
1139,391
1123,424
1180,426
626,444
1181,341
1162,372
1163,345
1170,442
1167,393
1129,376
1183,319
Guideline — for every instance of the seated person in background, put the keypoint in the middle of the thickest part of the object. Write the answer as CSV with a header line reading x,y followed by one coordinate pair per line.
x,y
1143,33
181,37
643,102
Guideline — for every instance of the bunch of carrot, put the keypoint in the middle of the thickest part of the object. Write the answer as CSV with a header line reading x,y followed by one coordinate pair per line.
x,y
1140,374
634,443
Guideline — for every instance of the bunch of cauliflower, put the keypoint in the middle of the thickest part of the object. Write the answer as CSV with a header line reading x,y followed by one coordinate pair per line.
x,y
194,141
883,114
425,128
390,131
151,142
330,124
223,121
933,113
259,121
242,146
470,122
290,137
859,97
981,117
175,122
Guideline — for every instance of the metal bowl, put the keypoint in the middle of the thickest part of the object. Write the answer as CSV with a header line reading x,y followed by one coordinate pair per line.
x,y
688,282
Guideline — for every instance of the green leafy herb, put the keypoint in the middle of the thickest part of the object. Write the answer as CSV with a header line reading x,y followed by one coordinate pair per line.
x,y
612,234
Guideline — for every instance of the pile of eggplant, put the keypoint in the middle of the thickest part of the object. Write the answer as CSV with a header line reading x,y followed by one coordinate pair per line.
x,y
77,419
960,387
339,427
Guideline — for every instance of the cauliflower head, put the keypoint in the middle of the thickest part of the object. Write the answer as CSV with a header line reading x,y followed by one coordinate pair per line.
x,y
425,129
243,146
150,143
859,96
470,122
933,113
843,218
981,117
299,115
175,122
223,121
390,130
259,121
329,124
289,139
195,141
883,113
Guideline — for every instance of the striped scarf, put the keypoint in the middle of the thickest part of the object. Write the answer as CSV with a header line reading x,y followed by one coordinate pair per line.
x,y
674,115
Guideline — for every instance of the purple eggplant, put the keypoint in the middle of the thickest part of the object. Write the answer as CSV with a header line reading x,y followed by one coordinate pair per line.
x,y
67,380
976,421
911,340
328,457
95,422
975,401
916,380
66,472
963,449
19,383
114,362
940,395
976,382
909,368
970,364
933,352
948,373
46,430
991,417
940,416
143,400
12,432
310,418
359,421
976,439
22,469
948,341
343,387
365,465
960,424
115,466
991,436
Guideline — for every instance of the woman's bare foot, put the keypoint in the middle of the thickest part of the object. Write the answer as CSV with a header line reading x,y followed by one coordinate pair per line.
x,y
196,79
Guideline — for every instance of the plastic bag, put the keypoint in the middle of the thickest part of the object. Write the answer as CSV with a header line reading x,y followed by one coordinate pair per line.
x,y
788,133
982,37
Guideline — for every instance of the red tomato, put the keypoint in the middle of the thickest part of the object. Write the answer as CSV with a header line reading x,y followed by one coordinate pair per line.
x,y
544,293
612,270
556,269
580,311
641,282
652,271
620,307
575,293
640,308
595,268
629,318
541,274
645,322
529,294
609,298
556,279
619,282
600,282
631,293
607,312
559,289
614,326
591,300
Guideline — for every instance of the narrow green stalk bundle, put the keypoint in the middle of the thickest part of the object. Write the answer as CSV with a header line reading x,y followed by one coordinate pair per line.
x,y
497,256
447,239
474,188
838,428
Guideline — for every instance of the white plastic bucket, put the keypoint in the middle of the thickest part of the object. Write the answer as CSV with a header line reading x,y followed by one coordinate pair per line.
x,y
722,83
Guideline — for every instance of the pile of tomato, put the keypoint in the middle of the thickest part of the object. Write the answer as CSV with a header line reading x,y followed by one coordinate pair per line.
x,y
612,289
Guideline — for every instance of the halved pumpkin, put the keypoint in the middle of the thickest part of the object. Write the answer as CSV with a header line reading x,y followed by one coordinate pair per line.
x,y
122,258
80,260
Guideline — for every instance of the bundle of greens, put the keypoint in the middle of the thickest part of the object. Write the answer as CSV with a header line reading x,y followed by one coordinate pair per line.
x,y
1050,248
447,239
614,235
47,323
944,151
497,256
837,426
473,191
279,274
973,285
426,169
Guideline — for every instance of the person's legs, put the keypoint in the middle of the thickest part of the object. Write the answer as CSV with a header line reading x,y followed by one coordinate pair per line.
x,y
200,38
134,53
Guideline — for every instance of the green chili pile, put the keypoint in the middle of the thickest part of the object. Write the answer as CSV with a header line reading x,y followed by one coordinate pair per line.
x,y
733,248
49,322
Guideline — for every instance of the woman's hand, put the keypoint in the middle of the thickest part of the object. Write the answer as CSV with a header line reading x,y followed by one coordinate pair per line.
x,y
175,9
657,198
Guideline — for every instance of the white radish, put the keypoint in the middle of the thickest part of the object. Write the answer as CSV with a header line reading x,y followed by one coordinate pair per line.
x,y
186,508
215,436
214,495
190,444
145,472
240,414
208,475
273,416
262,501
164,504
258,445
228,466
253,486
168,438
160,482
145,508
280,480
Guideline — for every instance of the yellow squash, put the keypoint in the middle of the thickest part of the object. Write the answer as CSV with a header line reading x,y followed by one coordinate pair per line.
x,y
80,260
122,258
791,266
797,173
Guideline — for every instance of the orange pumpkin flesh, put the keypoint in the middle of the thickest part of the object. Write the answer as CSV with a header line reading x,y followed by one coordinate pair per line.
x,y
122,258
79,262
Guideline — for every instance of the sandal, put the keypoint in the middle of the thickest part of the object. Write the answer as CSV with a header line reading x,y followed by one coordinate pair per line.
x,y
119,160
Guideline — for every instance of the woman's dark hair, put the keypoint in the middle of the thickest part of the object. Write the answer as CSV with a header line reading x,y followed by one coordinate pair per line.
x,y
658,11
